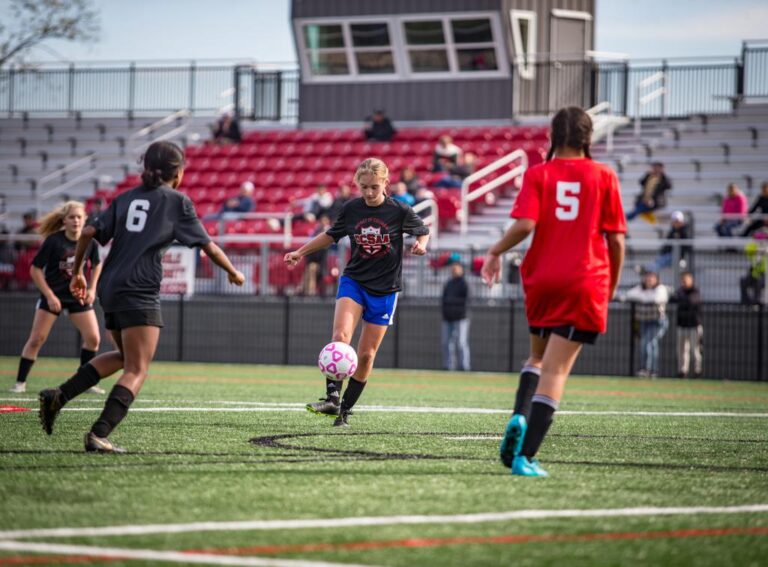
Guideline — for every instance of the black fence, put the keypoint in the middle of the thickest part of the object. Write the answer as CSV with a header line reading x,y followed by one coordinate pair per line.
x,y
292,330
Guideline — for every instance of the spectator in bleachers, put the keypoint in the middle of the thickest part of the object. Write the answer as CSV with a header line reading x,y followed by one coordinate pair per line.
x,y
422,195
465,166
411,180
689,329
7,257
97,207
652,197
317,204
446,154
343,195
753,284
734,210
30,228
242,203
455,335
678,230
226,130
314,272
759,208
400,193
379,128
651,298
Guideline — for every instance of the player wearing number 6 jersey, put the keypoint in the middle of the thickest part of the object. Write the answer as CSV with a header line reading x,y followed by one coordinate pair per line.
x,y
141,223
569,274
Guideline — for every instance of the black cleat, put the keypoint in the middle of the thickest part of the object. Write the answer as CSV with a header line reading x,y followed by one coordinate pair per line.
x,y
343,419
95,444
329,406
50,405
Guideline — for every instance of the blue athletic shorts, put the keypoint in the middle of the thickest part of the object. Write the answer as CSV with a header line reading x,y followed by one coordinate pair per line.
x,y
377,309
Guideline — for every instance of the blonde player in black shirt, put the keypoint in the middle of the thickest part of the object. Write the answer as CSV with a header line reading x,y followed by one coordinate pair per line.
x,y
51,271
141,223
368,289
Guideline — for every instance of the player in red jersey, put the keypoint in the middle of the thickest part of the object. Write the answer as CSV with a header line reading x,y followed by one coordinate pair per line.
x,y
570,273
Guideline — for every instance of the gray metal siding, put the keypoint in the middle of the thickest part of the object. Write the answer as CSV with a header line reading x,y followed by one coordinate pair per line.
x,y
332,8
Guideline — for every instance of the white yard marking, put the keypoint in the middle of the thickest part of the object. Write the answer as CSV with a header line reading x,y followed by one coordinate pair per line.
x,y
162,556
336,523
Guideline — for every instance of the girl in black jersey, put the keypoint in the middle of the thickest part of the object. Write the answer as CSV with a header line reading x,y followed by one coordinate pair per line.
x,y
141,223
375,224
51,271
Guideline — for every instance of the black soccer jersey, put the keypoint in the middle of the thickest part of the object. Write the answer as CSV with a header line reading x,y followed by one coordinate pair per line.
x,y
376,236
142,223
56,258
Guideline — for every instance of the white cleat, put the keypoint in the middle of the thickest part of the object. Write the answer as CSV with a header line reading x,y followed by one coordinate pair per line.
x,y
18,388
96,390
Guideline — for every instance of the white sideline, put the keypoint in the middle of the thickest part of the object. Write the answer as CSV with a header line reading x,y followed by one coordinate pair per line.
x,y
334,523
166,556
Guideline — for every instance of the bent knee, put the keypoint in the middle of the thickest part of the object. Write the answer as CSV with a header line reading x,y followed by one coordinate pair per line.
x,y
91,343
342,336
366,356
37,340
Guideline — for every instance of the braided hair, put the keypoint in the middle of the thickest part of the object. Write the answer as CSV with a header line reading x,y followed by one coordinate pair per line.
x,y
571,127
162,163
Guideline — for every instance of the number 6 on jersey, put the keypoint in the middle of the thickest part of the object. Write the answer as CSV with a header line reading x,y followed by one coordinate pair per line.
x,y
137,215
567,200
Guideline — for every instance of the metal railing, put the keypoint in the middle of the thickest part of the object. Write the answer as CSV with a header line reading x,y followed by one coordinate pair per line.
x,y
432,220
642,98
605,123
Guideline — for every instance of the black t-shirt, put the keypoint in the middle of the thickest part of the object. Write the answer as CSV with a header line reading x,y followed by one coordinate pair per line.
x,y
142,223
376,237
56,258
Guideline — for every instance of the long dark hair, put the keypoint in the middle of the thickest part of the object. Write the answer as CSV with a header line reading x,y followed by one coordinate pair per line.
x,y
571,127
162,163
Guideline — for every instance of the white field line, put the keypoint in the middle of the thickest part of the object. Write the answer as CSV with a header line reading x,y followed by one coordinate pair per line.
x,y
162,556
334,523
475,438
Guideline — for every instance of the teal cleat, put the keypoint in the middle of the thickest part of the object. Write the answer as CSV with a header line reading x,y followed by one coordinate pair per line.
x,y
512,443
521,466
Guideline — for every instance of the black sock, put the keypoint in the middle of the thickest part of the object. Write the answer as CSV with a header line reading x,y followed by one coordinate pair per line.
x,y
333,388
86,355
542,414
85,377
115,409
351,394
25,365
529,380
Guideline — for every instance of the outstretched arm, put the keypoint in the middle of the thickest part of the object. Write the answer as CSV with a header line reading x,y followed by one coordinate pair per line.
x,y
219,258
615,258
319,242
516,233
78,286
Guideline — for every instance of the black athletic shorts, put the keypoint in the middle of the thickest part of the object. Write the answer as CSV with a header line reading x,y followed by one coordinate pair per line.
x,y
119,320
71,306
567,332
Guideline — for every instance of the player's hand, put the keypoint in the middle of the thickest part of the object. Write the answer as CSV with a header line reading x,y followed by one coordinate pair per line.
x,y
418,249
53,303
237,278
491,272
90,297
79,288
291,259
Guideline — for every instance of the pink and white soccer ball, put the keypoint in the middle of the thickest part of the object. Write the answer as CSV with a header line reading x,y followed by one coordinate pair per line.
x,y
337,361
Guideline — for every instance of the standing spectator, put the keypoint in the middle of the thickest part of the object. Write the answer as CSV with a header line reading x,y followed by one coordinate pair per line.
x,y
734,210
226,130
652,197
455,336
379,128
342,197
30,228
652,299
446,154
401,194
465,166
314,271
678,230
97,207
689,329
753,284
411,180
759,208
243,203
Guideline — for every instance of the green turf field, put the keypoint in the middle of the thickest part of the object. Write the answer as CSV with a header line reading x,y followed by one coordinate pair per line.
x,y
222,444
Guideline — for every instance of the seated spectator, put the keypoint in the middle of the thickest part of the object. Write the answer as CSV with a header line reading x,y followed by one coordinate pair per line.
x,y
343,195
678,230
759,208
753,284
378,128
465,166
29,229
243,203
317,204
446,154
652,197
226,130
400,193
411,180
97,207
424,194
734,210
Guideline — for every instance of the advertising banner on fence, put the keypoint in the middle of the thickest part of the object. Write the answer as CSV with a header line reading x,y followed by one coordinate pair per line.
x,y
178,270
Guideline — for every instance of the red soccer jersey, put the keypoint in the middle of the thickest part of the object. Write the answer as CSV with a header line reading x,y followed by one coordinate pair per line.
x,y
566,272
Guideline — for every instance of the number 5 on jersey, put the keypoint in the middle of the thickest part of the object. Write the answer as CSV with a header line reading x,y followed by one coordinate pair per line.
x,y
567,200
137,215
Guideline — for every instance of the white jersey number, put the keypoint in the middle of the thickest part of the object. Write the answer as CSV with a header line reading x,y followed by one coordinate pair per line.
x,y
567,200
137,215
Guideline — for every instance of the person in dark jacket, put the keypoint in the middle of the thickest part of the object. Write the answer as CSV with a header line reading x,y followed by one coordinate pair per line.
x,y
653,195
455,336
689,329
760,207
678,230
379,128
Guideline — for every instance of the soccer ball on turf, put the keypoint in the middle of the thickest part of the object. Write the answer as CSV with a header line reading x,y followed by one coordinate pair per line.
x,y
337,361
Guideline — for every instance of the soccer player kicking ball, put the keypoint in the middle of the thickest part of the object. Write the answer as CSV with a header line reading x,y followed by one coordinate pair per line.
x,y
141,223
569,273
368,289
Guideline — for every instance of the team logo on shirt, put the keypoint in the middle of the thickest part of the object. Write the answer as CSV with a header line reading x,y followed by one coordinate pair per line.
x,y
67,264
372,236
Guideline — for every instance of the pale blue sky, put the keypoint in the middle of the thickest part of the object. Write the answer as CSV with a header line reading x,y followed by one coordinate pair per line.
x,y
259,29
